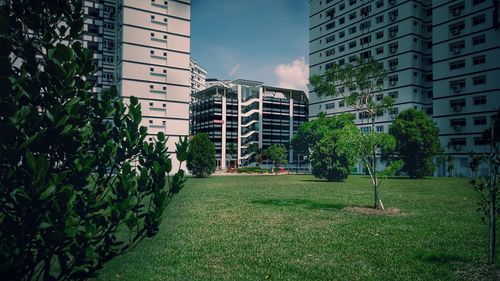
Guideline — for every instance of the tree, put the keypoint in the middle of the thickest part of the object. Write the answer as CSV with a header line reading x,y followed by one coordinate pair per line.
x,y
487,187
327,162
70,198
231,150
417,142
320,136
201,156
357,85
277,154
257,152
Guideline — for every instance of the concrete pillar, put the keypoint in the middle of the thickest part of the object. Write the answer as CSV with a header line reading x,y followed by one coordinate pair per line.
x,y
223,140
290,153
261,117
238,153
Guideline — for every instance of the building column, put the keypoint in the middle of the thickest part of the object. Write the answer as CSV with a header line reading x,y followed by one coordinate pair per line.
x,y
261,115
223,139
238,150
290,153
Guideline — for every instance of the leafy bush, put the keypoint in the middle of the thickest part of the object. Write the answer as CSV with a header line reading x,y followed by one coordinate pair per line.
x,y
70,198
327,163
417,142
252,170
201,156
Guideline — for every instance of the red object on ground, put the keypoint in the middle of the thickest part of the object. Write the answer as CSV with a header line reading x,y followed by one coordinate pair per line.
x,y
282,170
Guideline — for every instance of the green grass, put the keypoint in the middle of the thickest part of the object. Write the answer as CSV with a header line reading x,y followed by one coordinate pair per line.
x,y
296,228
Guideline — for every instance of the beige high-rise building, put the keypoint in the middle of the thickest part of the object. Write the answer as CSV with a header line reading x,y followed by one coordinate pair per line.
x,y
143,47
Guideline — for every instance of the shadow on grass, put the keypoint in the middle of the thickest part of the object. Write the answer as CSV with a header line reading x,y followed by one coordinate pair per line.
x,y
325,181
307,204
442,258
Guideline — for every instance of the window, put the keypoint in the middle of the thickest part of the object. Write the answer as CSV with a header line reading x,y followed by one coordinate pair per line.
x,y
379,50
456,29
341,103
393,64
342,34
352,59
380,4
365,130
478,19
479,60
479,80
341,48
380,128
393,80
330,39
150,121
365,24
352,16
352,44
379,19
456,47
341,61
481,120
394,111
458,122
480,141
330,25
366,39
330,13
352,2
330,105
330,52
364,115
365,11
352,30
458,141
457,9
457,103
341,6
393,95
479,100
478,40
457,85
341,20
379,97
380,34
393,15
477,2
150,104
366,54
457,64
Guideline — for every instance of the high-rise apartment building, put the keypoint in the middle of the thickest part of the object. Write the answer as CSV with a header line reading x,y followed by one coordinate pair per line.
x,y
466,72
242,112
143,47
198,76
433,53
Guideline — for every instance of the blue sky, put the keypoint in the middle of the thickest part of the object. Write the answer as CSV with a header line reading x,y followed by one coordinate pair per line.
x,y
263,40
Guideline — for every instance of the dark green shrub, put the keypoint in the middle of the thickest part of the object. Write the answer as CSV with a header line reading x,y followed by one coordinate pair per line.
x,y
326,162
70,198
201,156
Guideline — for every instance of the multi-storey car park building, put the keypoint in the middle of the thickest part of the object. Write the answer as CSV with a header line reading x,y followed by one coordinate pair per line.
x,y
198,76
416,42
143,48
243,112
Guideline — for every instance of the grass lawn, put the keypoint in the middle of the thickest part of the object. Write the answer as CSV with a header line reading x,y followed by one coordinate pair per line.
x,y
296,228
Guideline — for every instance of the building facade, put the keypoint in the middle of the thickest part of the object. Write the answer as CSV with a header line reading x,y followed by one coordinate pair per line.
x,y
416,42
143,47
198,76
241,112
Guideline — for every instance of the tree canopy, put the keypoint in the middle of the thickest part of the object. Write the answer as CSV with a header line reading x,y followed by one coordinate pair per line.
x,y
201,156
417,142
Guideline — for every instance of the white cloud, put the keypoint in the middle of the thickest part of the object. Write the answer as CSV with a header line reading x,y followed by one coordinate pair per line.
x,y
294,75
234,70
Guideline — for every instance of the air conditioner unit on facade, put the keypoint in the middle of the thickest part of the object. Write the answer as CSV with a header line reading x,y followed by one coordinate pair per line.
x,y
392,83
457,108
455,31
392,34
456,12
455,51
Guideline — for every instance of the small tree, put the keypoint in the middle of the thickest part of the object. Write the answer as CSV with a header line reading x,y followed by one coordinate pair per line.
x,y
70,199
417,142
201,156
357,85
257,152
327,162
487,187
231,150
277,154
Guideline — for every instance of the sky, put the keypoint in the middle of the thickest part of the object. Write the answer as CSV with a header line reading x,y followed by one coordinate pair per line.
x,y
262,40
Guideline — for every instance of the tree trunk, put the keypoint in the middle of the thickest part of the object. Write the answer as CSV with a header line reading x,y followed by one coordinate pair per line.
x,y
378,201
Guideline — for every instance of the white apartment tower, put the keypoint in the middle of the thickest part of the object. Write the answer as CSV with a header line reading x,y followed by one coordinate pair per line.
x,y
466,69
436,54
143,47
198,76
